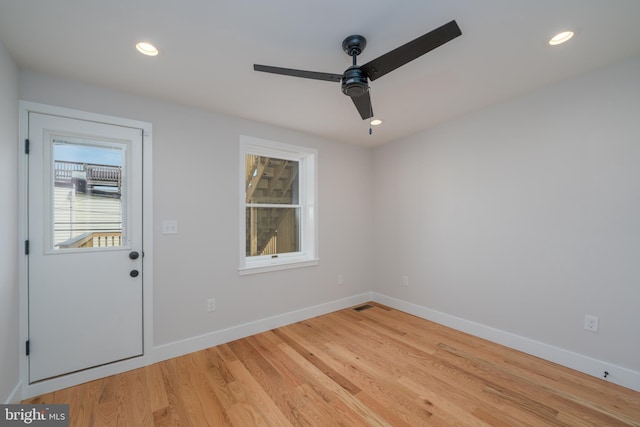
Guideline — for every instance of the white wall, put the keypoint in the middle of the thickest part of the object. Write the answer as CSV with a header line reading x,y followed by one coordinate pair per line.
x,y
8,226
523,217
195,169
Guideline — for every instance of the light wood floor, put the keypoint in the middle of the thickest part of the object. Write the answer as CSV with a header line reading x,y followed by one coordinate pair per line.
x,y
376,367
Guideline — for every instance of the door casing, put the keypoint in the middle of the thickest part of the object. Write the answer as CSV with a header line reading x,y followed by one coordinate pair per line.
x,y
30,390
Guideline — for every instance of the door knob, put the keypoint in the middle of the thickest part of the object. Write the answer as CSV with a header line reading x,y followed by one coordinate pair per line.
x,y
134,255
134,273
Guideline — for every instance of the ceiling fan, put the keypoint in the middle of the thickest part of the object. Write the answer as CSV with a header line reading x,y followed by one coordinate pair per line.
x,y
355,80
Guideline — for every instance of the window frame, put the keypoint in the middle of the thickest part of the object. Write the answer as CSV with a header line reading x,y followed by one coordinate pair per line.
x,y
307,159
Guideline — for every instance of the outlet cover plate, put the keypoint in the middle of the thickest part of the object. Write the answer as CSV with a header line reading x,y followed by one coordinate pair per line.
x,y
591,323
169,227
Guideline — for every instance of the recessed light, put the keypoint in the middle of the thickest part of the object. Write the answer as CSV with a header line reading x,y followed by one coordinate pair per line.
x,y
147,49
561,38
375,122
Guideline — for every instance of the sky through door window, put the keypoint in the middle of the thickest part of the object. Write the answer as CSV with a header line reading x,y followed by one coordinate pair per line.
x,y
278,206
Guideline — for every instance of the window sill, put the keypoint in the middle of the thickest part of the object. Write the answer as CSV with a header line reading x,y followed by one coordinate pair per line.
x,y
267,266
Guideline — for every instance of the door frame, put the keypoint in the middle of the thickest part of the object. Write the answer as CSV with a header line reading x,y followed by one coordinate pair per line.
x,y
46,386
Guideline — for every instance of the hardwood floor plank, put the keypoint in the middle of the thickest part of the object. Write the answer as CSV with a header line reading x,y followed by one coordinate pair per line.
x,y
323,363
369,416
177,413
188,373
155,388
219,377
374,367
164,417
276,383
254,400
106,414
308,354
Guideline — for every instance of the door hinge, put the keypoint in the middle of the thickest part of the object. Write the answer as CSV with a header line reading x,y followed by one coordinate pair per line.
x,y
28,350
26,146
26,247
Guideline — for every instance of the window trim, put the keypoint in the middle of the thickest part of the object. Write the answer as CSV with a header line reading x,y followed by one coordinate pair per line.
x,y
308,173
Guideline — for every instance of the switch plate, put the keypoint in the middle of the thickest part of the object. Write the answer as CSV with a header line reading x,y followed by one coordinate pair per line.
x,y
405,280
340,279
169,227
211,304
591,323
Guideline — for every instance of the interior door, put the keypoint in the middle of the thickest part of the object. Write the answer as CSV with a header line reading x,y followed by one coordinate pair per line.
x,y
85,244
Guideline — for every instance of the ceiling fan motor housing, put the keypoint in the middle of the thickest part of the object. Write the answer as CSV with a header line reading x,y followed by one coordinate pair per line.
x,y
354,83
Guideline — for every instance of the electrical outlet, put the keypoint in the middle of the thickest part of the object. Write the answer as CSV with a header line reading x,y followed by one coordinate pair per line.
x,y
211,304
591,323
169,227
340,279
405,280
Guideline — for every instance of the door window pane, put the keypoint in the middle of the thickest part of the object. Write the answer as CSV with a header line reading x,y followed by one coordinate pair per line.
x,y
87,193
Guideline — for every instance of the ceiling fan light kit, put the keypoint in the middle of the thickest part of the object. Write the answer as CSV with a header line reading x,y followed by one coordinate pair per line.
x,y
560,38
147,49
355,80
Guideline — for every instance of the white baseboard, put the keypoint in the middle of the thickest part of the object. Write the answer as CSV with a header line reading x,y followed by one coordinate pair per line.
x,y
14,396
190,345
617,374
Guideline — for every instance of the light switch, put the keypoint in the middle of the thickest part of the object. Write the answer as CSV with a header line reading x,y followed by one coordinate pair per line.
x,y
170,227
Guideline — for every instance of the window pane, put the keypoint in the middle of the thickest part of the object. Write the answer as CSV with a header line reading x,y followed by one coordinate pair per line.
x,y
271,180
272,231
87,195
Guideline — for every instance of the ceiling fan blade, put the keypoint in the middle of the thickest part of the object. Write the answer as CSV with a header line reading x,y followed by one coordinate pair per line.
x,y
410,51
363,104
298,73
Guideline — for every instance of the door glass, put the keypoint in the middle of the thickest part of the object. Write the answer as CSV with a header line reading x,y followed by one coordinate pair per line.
x,y
88,193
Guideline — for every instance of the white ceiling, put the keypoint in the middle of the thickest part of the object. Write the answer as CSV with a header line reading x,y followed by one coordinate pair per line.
x,y
208,48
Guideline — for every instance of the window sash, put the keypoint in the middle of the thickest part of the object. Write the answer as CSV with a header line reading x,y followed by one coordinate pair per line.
x,y
285,189
305,206
273,240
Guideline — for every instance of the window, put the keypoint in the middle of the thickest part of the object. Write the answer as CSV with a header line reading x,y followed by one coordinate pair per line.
x,y
88,185
278,221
